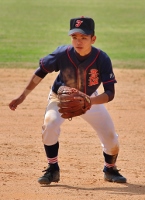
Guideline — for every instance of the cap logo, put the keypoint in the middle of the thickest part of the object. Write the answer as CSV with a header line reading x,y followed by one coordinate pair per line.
x,y
78,23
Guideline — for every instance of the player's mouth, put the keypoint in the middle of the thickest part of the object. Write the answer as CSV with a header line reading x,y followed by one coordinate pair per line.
x,y
79,48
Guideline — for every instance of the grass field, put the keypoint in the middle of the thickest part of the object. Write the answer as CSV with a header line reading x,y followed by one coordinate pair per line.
x,y
31,29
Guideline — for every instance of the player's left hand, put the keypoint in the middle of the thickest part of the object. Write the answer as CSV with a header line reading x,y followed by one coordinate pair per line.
x,y
72,102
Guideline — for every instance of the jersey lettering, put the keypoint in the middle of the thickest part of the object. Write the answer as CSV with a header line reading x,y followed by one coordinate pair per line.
x,y
93,79
78,23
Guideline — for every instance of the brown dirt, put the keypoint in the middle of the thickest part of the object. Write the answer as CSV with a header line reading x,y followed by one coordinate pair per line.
x,y
80,157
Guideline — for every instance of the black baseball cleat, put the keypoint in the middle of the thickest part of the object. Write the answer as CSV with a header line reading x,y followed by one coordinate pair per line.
x,y
51,175
112,175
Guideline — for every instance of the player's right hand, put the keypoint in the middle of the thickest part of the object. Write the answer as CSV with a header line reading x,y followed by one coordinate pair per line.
x,y
14,103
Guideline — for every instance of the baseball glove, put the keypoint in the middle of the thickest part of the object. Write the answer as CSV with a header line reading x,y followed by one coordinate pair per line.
x,y
72,102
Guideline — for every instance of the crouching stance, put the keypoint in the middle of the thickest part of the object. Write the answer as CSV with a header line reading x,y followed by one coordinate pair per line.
x,y
83,67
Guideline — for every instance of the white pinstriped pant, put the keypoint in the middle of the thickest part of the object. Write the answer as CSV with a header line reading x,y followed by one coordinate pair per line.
x,y
98,117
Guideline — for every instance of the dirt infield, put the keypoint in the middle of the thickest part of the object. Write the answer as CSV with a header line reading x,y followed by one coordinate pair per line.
x,y
80,157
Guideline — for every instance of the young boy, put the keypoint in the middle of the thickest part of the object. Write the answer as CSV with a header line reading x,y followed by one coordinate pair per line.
x,y
84,67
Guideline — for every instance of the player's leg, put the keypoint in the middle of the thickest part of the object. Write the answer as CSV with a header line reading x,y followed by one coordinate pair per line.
x,y
100,120
50,135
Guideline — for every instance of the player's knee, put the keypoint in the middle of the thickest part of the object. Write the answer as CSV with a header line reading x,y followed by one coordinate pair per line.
x,y
50,125
50,120
50,134
50,131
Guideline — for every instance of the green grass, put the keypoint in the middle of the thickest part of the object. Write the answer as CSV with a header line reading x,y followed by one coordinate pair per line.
x,y
31,29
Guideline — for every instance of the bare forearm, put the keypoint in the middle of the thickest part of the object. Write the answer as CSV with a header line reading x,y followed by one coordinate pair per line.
x,y
100,99
34,81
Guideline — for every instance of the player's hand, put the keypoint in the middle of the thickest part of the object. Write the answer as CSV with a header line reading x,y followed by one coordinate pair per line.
x,y
14,103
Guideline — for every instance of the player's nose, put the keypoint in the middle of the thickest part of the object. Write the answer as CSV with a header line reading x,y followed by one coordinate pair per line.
x,y
79,41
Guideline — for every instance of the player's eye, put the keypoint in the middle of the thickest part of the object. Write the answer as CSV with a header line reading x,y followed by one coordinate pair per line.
x,y
84,38
74,37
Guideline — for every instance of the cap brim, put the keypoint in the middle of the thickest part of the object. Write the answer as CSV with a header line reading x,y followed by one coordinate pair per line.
x,y
77,30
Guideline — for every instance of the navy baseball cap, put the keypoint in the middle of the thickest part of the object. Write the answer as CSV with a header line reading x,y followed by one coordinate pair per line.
x,y
83,25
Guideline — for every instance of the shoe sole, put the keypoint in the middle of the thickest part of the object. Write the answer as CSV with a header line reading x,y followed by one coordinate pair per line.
x,y
115,181
42,182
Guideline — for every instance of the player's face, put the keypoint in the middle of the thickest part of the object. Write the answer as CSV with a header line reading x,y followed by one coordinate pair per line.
x,y
82,43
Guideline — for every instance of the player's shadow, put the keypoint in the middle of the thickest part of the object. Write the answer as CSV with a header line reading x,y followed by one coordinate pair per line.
x,y
127,188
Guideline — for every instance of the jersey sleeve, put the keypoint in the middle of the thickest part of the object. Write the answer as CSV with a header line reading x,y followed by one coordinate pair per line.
x,y
39,72
107,74
110,91
50,62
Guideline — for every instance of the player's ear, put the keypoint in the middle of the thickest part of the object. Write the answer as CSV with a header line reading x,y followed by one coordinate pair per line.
x,y
94,39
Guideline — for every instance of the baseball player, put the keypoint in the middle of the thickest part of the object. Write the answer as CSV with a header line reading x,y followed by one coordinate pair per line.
x,y
84,67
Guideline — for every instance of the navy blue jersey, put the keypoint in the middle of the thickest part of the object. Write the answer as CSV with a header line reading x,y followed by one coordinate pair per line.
x,y
84,75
